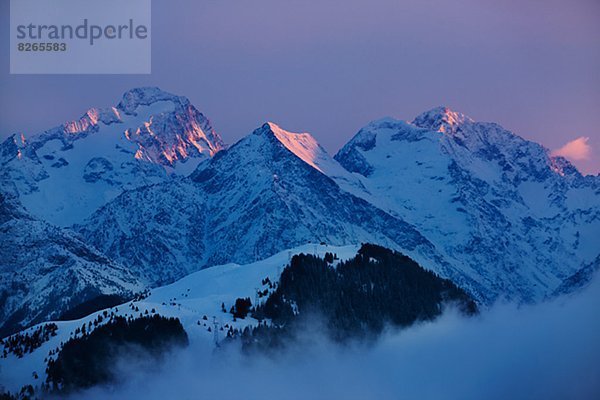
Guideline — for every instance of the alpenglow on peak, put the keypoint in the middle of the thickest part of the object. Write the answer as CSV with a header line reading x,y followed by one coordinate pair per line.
x,y
441,119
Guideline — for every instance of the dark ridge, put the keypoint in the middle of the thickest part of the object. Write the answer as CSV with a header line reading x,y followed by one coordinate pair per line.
x,y
91,306
90,360
356,299
12,324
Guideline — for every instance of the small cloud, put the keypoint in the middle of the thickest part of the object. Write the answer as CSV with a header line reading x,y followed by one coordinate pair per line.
x,y
576,150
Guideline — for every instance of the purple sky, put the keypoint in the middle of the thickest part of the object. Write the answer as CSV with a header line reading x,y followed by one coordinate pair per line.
x,y
330,66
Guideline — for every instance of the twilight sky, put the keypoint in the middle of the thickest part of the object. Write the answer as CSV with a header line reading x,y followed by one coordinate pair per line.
x,y
330,66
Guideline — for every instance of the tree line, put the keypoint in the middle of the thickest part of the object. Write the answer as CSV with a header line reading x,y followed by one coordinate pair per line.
x,y
355,299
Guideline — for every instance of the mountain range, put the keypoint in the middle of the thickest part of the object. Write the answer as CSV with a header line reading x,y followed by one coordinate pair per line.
x,y
146,192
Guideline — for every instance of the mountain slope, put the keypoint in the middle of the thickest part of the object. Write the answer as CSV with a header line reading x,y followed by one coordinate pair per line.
x,y
198,301
46,271
189,299
579,280
497,206
64,174
246,203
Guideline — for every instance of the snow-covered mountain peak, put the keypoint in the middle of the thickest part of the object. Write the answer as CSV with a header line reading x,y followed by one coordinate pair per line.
x,y
441,119
65,173
303,145
132,100
171,127
163,128
497,203
145,96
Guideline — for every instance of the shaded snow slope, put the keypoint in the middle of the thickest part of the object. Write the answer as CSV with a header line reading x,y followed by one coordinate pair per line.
x,y
46,270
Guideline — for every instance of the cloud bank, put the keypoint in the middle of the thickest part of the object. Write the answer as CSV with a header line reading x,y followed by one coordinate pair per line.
x,y
547,351
575,150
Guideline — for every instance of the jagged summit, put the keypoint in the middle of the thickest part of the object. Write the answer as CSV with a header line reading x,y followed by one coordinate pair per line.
x,y
66,172
441,119
302,145
131,101
148,116
564,167
144,96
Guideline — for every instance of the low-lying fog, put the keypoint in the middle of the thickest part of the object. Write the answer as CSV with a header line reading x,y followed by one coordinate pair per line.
x,y
546,351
